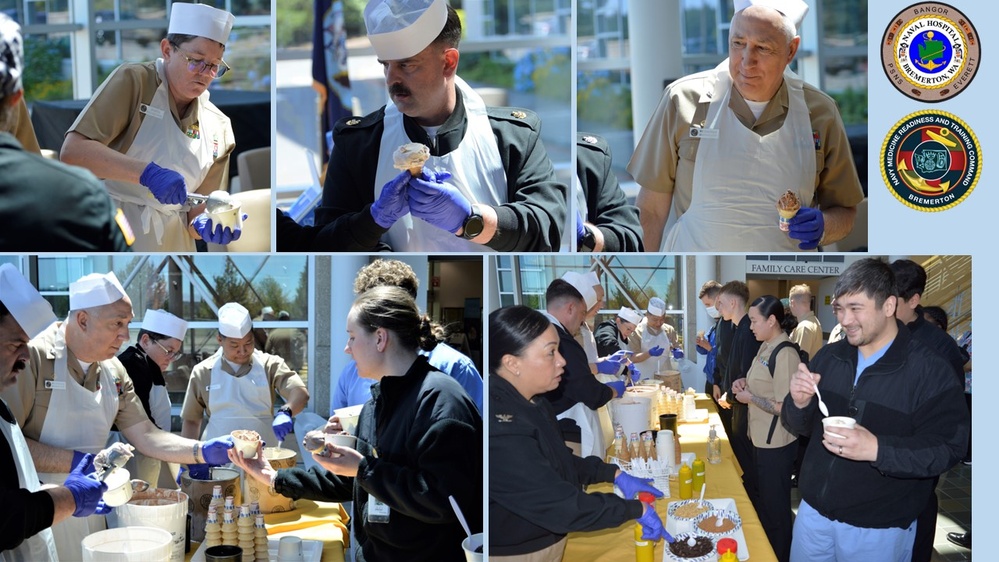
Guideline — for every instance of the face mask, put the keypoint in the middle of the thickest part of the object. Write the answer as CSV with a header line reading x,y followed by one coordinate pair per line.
x,y
712,312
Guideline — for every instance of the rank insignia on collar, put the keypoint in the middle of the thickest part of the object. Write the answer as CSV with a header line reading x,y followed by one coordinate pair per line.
x,y
589,139
504,418
518,114
352,122
193,131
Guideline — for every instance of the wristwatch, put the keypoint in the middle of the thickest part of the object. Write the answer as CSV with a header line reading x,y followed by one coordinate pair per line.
x,y
588,242
286,409
473,225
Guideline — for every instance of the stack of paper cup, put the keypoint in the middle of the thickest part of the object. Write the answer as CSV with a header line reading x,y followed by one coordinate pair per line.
x,y
664,448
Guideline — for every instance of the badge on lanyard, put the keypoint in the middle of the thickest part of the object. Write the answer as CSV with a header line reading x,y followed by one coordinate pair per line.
x,y
55,385
378,512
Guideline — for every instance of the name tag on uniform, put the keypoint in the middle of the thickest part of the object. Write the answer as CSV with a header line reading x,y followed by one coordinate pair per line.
x,y
699,133
378,512
151,111
212,387
55,385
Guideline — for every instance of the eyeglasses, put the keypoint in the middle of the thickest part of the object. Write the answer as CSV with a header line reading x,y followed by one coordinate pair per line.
x,y
171,355
200,66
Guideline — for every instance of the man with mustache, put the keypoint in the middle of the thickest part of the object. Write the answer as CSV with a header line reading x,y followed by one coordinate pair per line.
x,y
488,184
74,389
31,508
152,135
725,144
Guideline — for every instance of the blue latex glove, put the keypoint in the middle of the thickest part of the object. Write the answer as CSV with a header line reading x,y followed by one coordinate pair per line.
x,y
167,186
199,471
612,364
215,451
282,425
438,203
631,485
652,526
78,456
677,353
215,233
392,203
580,227
87,491
103,508
807,226
618,387
657,351
636,375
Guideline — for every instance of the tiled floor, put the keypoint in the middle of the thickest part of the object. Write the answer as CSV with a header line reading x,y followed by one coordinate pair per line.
x,y
954,514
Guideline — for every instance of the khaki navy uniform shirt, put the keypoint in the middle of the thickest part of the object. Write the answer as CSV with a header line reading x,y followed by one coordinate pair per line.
x,y
760,383
279,377
29,399
113,118
808,334
667,165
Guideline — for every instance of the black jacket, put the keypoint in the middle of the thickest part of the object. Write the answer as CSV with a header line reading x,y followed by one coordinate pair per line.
x,y
606,205
428,436
51,207
145,373
918,416
530,220
577,385
25,513
723,336
744,347
536,484
608,338
940,342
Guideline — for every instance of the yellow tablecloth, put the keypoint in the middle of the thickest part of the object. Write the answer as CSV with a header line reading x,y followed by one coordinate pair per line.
x,y
317,521
723,480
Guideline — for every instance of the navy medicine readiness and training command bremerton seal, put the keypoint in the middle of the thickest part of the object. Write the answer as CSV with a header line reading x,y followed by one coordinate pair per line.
x,y
930,52
931,160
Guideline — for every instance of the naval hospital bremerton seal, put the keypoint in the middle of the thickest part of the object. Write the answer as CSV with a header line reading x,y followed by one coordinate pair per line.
x,y
931,161
930,52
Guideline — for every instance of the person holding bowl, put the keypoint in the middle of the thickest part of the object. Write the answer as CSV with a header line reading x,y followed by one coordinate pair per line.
x,y
536,484
419,440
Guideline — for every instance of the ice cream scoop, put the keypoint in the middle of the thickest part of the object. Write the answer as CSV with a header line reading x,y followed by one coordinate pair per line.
x,y
217,202
787,206
113,457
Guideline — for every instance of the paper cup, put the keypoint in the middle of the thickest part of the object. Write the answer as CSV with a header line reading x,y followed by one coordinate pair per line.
x,y
472,546
343,440
830,423
231,217
119,483
246,442
290,549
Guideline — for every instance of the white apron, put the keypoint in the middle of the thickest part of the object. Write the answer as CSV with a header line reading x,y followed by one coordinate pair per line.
x,y
476,170
148,468
40,547
163,228
79,420
739,176
240,402
650,366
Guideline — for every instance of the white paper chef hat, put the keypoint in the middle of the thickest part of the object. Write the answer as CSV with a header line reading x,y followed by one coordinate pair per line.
x,y
201,20
32,312
629,315
581,283
234,320
162,322
795,10
657,307
96,289
399,29
266,310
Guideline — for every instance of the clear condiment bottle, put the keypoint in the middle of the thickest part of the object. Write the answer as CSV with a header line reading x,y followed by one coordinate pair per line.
x,y
714,446
686,482
698,477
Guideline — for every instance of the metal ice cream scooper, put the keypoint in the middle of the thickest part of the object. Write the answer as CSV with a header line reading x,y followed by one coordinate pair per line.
x,y
217,202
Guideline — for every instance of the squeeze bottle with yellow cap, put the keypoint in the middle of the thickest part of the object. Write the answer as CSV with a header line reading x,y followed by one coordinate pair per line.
x,y
645,550
728,557
686,482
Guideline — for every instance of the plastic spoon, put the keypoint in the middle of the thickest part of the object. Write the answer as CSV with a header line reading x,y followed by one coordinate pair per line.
x,y
822,405
461,516
700,501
